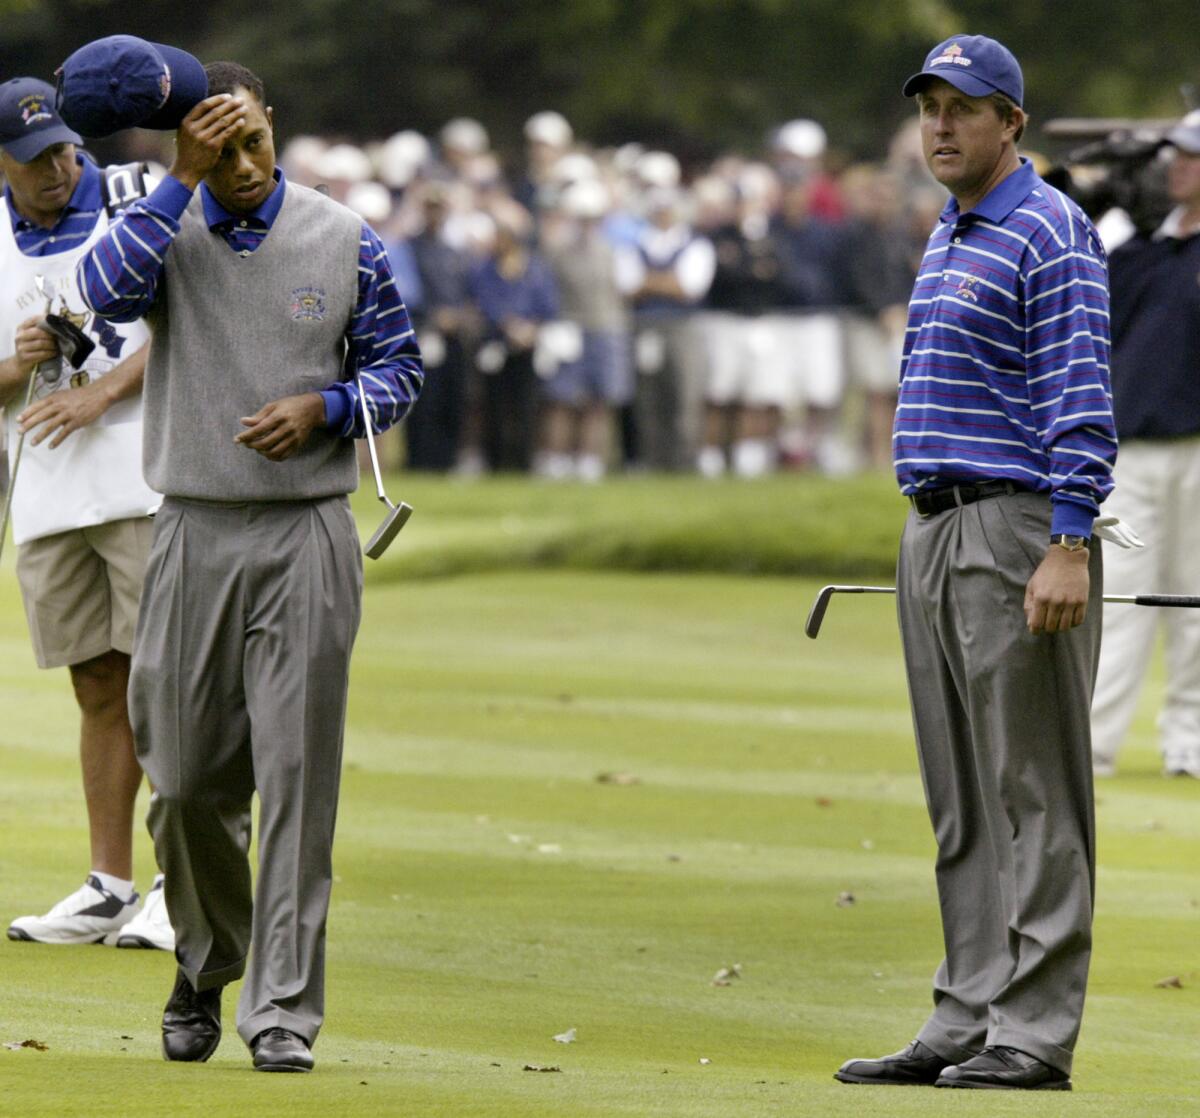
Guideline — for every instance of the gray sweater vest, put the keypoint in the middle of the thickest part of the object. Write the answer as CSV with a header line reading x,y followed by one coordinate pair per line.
x,y
232,333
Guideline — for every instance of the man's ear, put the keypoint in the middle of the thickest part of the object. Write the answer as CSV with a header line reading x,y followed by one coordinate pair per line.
x,y
270,119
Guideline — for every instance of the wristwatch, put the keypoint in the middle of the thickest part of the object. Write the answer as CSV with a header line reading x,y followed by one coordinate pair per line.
x,y
1070,543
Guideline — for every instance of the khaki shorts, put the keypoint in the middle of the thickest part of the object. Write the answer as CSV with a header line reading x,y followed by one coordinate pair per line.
x,y
81,590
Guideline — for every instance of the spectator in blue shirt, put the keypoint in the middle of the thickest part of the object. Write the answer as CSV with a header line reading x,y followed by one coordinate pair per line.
x,y
516,295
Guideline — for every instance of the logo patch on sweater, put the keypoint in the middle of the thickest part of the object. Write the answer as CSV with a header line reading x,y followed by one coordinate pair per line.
x,y
308,304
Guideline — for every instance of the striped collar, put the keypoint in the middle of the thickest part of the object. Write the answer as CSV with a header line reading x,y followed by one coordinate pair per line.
x,y
218,217
1002,199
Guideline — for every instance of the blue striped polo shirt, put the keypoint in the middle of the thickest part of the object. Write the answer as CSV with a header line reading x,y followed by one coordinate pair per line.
x,y
74,224
1005,374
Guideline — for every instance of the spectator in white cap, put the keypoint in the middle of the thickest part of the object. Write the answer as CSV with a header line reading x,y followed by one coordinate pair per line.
x,y
1156,403
548,137
401,157
666,274
342,167
595,375
463,141
798,149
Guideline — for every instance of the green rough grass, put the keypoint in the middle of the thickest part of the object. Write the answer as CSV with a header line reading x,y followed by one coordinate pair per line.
x,y
491,893
786,525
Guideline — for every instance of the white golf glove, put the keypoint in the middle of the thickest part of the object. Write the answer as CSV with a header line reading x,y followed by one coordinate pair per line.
x,y
1112,529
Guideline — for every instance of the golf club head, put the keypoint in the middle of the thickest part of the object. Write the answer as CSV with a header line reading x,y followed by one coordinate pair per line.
x,y
817,614
388,530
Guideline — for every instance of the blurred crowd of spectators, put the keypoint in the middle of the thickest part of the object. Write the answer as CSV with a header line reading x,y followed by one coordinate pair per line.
x,y
607,309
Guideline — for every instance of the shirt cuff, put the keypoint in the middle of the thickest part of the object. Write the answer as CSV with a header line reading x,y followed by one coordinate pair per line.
x,y
1070,519
170,197
337,407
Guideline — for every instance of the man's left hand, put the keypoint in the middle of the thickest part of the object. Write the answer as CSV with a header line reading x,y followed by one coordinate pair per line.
x,y
1057,595
62,412
282,427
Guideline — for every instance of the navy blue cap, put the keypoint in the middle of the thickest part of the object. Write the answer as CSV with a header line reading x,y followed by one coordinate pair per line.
x,y
29,122
126,82
974,64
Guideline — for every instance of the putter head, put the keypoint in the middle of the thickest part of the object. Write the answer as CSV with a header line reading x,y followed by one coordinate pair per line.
x,y
388,530
817,614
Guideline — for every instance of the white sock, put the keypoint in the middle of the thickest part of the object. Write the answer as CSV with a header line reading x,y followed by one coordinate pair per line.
x,y
116,885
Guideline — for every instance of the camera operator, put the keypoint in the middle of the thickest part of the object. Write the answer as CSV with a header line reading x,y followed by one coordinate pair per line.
x,y
1155,283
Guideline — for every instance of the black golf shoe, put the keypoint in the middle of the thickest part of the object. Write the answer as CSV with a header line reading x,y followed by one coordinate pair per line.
x,y
914,1066
281,1050
1000,1068
191,1022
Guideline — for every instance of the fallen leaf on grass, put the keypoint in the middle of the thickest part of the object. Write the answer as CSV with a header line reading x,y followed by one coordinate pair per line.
x,y
36,1045
726,975
824,801
624,779
568,1037
845,900
1172,983
541,1067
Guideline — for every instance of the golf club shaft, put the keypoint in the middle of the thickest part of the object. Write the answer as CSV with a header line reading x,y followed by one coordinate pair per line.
x,y
371,444
16,465
816,615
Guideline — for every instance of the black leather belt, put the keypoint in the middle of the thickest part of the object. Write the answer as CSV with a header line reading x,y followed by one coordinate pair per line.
x,y
933,501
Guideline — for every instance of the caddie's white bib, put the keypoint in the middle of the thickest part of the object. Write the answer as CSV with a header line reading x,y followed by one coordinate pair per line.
x,y
95,476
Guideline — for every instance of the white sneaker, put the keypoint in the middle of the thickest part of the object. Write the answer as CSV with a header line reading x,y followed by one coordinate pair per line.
x,y
151,927
88,915
1182,763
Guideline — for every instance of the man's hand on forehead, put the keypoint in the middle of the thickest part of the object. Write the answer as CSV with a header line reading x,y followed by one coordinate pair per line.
x,y
202,135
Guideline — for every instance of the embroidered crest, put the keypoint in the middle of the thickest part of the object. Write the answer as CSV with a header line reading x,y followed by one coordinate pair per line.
x,y
164,84
308,304
33,109
968,288
951,56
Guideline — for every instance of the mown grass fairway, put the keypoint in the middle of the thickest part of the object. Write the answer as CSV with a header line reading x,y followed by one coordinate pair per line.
x,y
493,892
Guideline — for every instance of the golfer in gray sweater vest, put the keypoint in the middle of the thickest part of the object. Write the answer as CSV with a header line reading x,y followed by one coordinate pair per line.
x,y
264,299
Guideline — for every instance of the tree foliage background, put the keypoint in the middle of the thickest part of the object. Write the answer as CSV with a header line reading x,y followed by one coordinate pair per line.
x,y
697,75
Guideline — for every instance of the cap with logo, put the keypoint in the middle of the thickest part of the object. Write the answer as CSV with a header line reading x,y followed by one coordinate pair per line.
x,y
974,64
126,82
1186,134
29,123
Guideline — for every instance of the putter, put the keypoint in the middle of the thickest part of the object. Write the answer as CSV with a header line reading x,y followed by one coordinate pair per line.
x,y
817,614
397,514
49,371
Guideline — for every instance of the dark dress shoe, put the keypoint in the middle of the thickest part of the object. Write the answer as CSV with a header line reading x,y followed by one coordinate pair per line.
x,y
915,1066
191,1022
1005,1069
281,1050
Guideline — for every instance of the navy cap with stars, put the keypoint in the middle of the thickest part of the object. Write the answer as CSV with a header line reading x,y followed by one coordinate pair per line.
x,y
29,122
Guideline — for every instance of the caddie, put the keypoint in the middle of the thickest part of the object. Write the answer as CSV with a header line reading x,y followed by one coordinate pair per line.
x,y
80,508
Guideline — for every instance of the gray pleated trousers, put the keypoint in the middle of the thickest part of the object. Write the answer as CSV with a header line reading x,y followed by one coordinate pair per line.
x,y
1003,737
239,679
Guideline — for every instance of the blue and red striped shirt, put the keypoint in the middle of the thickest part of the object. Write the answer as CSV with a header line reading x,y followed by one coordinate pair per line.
x,y
119,280
1005,372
